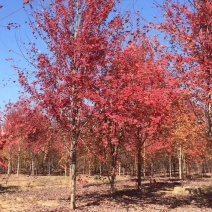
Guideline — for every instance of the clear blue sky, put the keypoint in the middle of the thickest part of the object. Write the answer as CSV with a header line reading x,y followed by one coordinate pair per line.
x,y
13,12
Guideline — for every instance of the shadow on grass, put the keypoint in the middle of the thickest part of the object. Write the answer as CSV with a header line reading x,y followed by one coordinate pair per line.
x,y
8,189
149,195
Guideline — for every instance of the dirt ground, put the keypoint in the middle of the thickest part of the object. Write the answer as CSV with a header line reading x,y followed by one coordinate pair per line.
x,y
51,194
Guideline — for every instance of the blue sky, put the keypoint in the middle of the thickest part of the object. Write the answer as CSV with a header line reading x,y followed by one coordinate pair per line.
x,y
13,12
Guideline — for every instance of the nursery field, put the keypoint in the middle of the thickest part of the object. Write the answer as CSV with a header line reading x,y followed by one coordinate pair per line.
x,y
51,193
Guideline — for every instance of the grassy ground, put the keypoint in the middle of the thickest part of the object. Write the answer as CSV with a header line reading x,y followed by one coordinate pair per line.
x,y
51,193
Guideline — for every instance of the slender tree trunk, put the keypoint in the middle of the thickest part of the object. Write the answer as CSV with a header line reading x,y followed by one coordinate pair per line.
x,y
180,161
206,166
203,169
100,169
113,174
112,181
46,151
9,167
49,167
134,167
84,165
199,169
65,170
144,160
114,153
174,168
36,168
139,160
170,166
139,164
18,162
123,171
210,115
32,166
207,32
73,155
89,168
119,169
9,163
184,166
66,163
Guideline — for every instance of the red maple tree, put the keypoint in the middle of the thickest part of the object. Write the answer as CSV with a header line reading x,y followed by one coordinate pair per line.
x,y
188,28
81,40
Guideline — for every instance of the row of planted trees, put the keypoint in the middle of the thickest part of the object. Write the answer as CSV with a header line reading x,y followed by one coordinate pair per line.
x,y
37,146
49,161
33,148
106,90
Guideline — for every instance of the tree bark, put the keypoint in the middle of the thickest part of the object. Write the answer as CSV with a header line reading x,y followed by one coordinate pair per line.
x,y
170,166
123,171
144,159
73,155
89,168
210,114
100,169
112,183
139,160
9,163
180,162
18,162
119,169
139,164
32,165
114,153
84,165
49,166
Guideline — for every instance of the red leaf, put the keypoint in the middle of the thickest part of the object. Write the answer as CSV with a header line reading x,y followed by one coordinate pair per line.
x,y
26,1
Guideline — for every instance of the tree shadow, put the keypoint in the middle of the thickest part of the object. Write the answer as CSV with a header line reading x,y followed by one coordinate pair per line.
x,y
8,189
149,194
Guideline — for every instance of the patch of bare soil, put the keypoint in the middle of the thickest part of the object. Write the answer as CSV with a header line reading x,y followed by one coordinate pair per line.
x,y
51,194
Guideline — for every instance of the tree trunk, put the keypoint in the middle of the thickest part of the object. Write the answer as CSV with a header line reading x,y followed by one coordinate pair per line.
x,y
66,164
174,168
134,167
152,169
100,170
210,116
73,175
112,176
49,166
139,160
89,168
65,169
9,163
170,166
46,152
180,162
123,171
84,165
18,162
112,182
139,164
184,166
206,166
144,160
119,169
32,166
203,169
